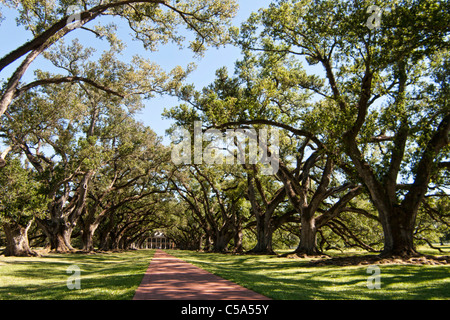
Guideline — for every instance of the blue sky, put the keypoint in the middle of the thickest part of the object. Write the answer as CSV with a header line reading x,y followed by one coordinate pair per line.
x,y
205,72
168,57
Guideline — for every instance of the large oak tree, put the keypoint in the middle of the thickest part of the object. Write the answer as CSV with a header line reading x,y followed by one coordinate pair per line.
x,y
383,105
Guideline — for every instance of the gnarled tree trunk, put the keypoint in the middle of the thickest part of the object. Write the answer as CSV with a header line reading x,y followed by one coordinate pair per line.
x,y
221,241
64,217
265,225
87,237
308,236
17,240
238,242
89,225
398,228
58,232
264,233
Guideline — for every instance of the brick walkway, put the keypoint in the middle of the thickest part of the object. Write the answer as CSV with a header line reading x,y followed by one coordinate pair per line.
x,y
169,278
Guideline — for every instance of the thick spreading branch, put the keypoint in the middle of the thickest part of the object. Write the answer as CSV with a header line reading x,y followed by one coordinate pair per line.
x,y
298,132
439,140
58,80
61,28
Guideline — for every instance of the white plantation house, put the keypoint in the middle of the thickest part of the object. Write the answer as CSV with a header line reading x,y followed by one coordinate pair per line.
x,y
158,240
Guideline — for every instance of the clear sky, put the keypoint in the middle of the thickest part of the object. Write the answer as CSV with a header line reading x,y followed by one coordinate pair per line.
x,y
12,36
205,72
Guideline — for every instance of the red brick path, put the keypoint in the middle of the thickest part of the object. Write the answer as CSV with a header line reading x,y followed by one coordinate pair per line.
x,y
169,278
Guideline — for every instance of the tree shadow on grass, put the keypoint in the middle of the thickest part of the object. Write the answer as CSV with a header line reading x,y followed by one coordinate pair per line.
x,y
355,260
102,277
302,279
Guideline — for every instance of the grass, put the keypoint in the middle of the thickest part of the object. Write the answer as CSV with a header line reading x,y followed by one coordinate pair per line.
x,y
115,276
104,276
295,279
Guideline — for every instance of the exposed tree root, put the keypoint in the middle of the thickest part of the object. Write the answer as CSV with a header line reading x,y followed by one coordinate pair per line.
x,y
260,252
377,259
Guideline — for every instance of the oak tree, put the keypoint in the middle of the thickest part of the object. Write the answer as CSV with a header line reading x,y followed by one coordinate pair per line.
x,y
384,98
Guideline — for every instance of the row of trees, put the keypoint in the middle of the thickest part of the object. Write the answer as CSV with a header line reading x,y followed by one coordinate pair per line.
x,y
376,124
74,157
362,153
77,157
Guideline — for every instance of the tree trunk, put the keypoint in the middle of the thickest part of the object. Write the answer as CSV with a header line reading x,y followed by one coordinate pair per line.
x,y
398,227
264,215
308,236
17,240
200,244
238,242
87,237
58,233
105,235
264,232
115,244
105,242
221,242
208,243
116,241
89,225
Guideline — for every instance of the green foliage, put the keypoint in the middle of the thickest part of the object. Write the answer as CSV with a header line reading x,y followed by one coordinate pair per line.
x,y
433,221
313,68
384,89
19,193
153,22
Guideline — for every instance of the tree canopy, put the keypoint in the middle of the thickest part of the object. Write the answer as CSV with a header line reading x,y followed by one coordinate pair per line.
x,y
349,102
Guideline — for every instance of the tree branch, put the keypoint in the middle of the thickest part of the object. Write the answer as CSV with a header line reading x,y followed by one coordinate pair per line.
x,y
444,165
420,186
37,83
296,131
62,25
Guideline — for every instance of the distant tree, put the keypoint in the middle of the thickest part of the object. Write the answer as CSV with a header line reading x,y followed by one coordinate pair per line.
x,y
131,176
433,221
215,199
70,131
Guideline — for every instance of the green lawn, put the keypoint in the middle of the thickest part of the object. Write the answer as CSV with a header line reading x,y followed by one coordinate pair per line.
x,y
293,279
103,276
116,276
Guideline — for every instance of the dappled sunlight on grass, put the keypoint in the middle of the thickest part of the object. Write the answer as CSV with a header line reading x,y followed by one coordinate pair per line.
x,y
117,275
284,278
103,276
